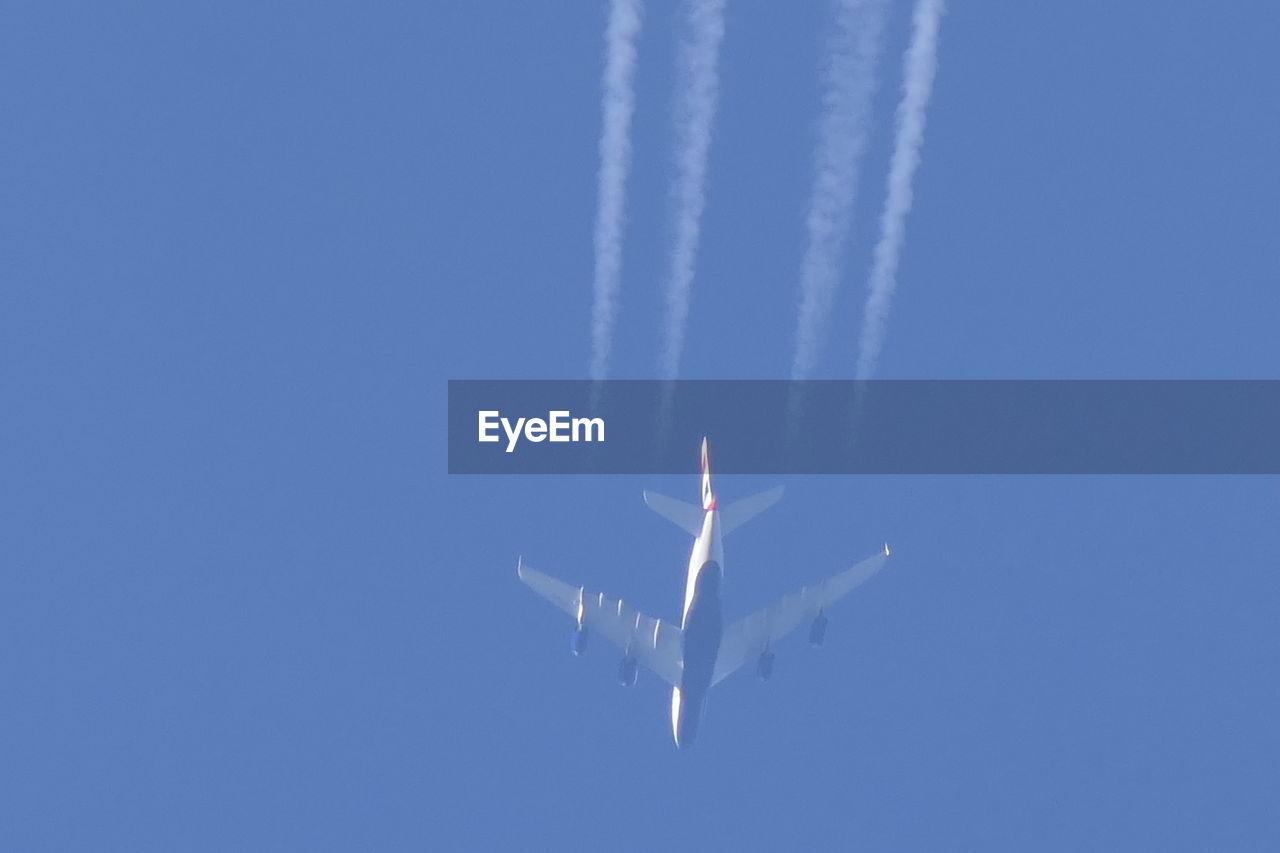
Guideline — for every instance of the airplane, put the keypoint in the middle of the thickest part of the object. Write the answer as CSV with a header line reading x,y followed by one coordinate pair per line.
x,y
700,652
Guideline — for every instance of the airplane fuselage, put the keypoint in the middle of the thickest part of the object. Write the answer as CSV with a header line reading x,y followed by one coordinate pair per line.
x,y
702,625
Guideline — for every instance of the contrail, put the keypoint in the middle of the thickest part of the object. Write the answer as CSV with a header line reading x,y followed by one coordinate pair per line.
x,y
698,91
849,82
919,66
615,158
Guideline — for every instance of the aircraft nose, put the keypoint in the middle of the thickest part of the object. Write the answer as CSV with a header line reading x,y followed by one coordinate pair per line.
x,y
680,728
687,729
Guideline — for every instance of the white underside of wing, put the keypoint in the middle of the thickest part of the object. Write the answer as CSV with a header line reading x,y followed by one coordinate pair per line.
x,y
747,639
656,645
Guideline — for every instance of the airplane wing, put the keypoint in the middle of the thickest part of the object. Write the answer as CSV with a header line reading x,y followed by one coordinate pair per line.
x,y
655,644
746,639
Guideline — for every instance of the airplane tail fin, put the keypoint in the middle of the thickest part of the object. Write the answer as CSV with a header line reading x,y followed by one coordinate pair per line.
x,y
689,517
708,496
739,512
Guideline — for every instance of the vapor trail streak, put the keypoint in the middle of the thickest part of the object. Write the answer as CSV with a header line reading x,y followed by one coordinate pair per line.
x,y
698,90
849,82
618,104
919,66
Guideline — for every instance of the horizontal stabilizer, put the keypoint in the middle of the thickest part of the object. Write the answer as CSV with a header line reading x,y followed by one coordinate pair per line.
x,y
686,516
740,512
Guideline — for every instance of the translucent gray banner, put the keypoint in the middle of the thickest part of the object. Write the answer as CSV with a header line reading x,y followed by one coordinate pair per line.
x,y
876,427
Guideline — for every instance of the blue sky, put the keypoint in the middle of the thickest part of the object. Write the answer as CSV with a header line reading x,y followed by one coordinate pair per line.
x,y
244,606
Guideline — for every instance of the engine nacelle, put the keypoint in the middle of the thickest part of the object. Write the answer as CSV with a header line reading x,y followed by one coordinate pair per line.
x,y
764,666
578,642
818,630
627,671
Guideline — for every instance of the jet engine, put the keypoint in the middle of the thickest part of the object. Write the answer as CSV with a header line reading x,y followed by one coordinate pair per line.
x,y
627,671
578,642
818,630
764,667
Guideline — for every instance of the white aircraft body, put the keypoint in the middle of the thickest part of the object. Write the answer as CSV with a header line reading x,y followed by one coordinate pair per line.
x,y
699,652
